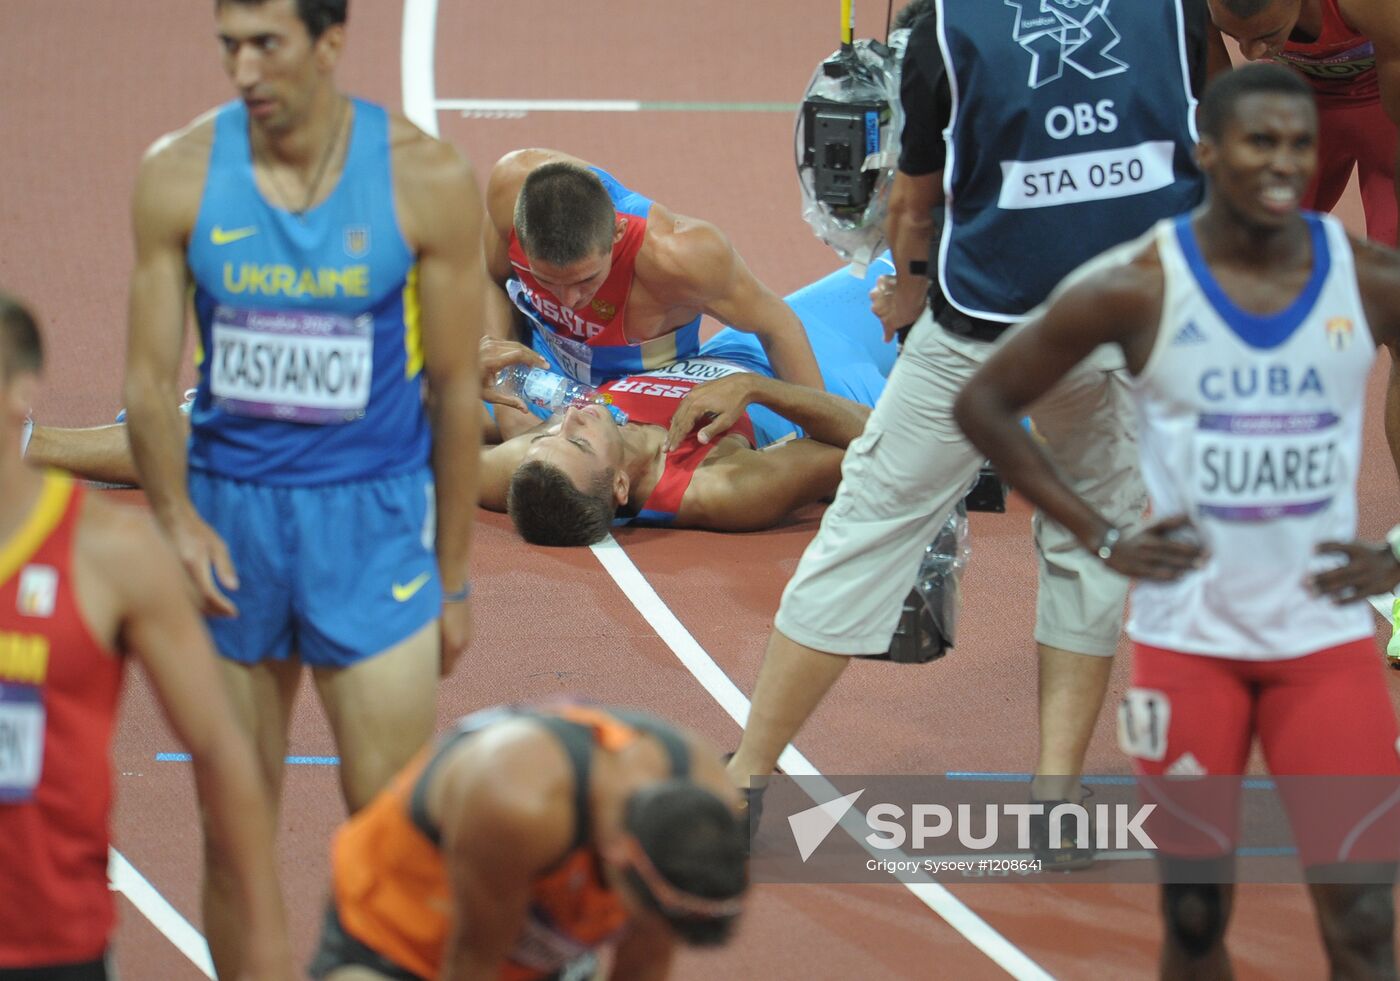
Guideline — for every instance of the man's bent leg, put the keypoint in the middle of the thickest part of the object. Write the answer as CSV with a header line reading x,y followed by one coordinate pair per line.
x,y
381,710
899,481
1087,425
262,696
791,684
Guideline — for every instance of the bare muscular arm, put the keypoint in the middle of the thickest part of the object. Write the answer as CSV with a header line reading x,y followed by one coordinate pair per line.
x,y
899,300
1380,21
749,490
718,404
498,835
164,210
129,575
100,453
443,218
693,264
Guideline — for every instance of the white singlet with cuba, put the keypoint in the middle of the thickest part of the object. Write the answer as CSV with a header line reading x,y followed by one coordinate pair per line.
x,y
1252,426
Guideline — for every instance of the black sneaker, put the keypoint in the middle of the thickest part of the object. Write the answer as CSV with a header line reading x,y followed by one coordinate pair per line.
x,y
1063,855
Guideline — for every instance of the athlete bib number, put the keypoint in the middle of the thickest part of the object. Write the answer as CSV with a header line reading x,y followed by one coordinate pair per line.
x,y
575,357
1259,467
21,741
296,366
1144,719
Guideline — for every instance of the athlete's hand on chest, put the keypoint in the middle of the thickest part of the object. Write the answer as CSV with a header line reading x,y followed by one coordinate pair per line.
x,y
717,404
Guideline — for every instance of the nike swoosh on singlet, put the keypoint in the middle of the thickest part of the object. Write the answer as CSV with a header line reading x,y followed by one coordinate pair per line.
x,y
406,592
220,237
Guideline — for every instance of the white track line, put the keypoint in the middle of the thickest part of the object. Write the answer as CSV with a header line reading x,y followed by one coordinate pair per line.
x,y
539,105
655,611
416,63
124,878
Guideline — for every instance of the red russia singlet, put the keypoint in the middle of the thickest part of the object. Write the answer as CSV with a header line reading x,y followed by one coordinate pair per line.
x,y
602,323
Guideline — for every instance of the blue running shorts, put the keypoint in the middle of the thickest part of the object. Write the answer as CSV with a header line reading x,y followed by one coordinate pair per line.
x,y
331,573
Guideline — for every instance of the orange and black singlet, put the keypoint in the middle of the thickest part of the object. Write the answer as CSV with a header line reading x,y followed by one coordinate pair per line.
x,y
391,887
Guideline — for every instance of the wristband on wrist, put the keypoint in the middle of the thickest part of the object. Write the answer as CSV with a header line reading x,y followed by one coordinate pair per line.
x,y
1108,543
461,596
918,267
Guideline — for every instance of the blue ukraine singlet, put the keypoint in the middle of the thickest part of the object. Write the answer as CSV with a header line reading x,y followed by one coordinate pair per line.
x,y
1072,131
310,353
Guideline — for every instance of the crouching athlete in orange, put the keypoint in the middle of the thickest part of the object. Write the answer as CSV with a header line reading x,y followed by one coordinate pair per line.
x,y
555,841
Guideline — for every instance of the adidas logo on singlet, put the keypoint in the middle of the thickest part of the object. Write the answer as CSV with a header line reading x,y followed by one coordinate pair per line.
x,y
1186,765
1190,334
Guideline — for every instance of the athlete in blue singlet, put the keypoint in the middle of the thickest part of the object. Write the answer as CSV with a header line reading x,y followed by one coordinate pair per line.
x,y
332,251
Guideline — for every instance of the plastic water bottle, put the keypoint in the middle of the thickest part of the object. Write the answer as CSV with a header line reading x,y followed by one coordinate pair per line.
x,y
551,391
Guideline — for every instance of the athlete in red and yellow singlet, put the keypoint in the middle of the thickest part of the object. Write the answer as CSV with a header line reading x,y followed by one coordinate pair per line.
x,y
58,698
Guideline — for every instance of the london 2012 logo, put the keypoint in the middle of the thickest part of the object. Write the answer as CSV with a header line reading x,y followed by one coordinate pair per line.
x,y
1060,33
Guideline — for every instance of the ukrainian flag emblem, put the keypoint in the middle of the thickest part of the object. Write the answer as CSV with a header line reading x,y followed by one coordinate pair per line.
x,y
356,241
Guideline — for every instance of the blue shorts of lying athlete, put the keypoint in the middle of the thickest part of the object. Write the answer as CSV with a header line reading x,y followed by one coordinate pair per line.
x,y
330,573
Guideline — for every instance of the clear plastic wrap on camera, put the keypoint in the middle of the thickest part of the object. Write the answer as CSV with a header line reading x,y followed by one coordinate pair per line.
x,y
847,144
940,572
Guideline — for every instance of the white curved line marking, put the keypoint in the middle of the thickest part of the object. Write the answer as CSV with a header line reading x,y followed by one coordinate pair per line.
x,y
417,64
123,878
